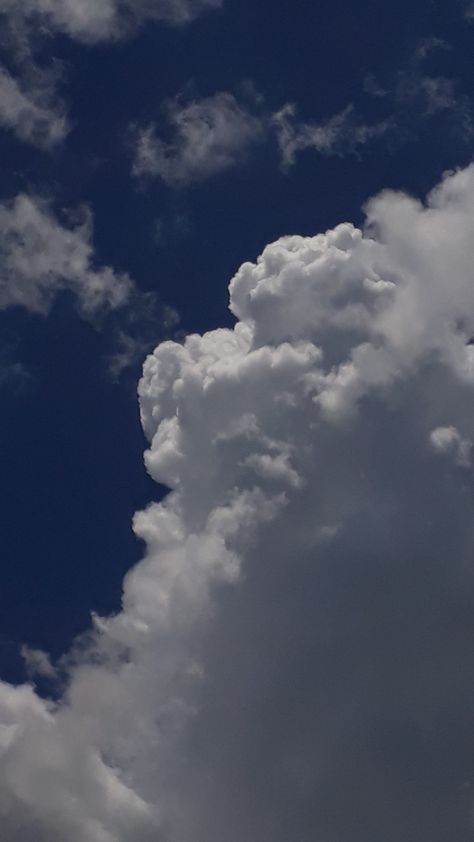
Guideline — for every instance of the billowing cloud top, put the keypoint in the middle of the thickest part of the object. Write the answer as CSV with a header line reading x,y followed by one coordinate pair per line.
x,y
320,448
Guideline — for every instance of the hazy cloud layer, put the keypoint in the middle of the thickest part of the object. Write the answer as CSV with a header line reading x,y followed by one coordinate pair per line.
x,y
309,451
40,256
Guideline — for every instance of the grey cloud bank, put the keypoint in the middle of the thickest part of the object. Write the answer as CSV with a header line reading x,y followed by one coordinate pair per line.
x,y
293,656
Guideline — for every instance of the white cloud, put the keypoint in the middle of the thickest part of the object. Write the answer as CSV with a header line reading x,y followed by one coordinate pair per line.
x,y
295,449
40,256
210,135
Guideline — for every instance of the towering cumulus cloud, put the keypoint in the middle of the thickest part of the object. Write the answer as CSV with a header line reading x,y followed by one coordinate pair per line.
x,y
318,457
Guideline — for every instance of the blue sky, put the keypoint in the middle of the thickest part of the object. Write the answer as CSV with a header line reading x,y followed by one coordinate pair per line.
x,y
148,151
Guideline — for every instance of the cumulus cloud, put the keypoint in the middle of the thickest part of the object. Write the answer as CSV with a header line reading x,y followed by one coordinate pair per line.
x,y
40,256
210,135
293,655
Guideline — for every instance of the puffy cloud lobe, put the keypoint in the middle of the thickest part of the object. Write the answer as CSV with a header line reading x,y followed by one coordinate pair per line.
x,y
211,135
297,451
40,256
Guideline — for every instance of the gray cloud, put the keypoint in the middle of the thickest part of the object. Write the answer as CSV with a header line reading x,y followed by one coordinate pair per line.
x,y
342,134
34,113
293,655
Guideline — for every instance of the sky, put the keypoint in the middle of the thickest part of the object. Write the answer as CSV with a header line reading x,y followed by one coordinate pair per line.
x,y
237,387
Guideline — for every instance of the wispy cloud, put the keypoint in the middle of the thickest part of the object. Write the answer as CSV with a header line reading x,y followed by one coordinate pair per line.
x,y
91,21
342,134
33,111
30,104
40,256
412,97
208,136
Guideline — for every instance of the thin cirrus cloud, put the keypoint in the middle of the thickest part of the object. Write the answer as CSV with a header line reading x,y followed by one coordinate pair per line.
x,y
301,613
40,256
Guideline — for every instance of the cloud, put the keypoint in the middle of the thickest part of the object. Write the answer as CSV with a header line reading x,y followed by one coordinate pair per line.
x,y
37,662
207,136
448,440
412,99
33,113
210,135
341,134
134,333
41,256
92,21
29,101
293,655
